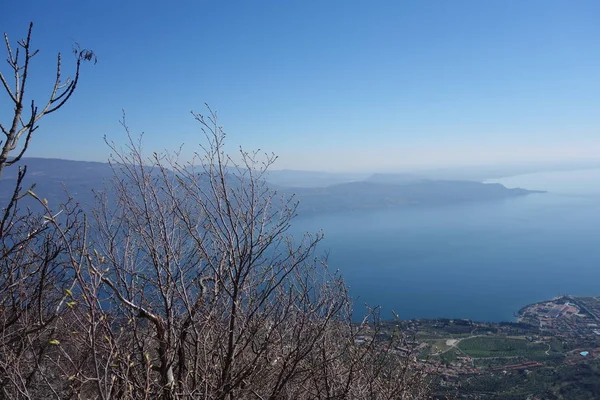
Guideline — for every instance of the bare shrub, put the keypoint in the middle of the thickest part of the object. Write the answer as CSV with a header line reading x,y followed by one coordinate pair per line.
x,y
210,297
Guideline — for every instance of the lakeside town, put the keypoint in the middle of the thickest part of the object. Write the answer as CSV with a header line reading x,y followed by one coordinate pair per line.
x,y
548,341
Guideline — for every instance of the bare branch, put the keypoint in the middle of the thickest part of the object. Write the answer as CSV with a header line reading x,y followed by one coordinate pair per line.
x,y
59,95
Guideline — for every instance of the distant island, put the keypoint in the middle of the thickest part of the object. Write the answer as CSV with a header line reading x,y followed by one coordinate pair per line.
x,y
374,195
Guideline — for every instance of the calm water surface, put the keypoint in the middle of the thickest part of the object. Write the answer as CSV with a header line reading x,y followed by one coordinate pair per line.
x,y
481,261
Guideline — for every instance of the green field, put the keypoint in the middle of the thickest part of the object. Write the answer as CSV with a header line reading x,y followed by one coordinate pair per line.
x,y
479,347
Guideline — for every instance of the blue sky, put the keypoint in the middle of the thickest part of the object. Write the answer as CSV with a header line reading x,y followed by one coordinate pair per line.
x,y
327,85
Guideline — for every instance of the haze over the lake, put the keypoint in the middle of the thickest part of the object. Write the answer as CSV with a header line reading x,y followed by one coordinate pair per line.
x,y
478,260
333,85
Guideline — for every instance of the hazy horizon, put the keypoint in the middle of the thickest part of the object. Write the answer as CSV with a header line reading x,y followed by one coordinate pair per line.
x,y
511,169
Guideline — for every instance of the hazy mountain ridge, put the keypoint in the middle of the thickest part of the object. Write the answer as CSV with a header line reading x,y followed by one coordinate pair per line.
x,y
52,176
368,195
298,178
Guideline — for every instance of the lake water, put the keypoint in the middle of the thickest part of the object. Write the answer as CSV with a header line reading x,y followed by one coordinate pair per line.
x,y
482,260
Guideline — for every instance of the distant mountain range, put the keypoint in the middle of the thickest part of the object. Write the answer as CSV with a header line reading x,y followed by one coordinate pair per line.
x,y
296,178
54,178
338,193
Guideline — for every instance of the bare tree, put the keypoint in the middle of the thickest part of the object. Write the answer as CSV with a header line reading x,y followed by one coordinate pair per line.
x,y
196,255
33,277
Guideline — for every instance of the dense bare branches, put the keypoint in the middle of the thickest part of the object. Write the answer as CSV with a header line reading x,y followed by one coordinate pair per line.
x,y
34,286
197,255
208,296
